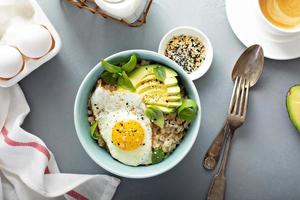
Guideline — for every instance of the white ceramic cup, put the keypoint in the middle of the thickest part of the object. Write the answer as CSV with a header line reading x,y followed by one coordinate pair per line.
x,y
271,27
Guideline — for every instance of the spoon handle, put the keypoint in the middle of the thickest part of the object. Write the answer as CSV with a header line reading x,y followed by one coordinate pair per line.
x,y
217,187
212,155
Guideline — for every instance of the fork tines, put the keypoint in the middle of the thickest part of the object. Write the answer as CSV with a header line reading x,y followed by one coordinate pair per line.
x,y
239,98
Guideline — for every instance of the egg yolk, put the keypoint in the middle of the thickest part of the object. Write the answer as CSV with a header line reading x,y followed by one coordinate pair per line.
x,y
128,135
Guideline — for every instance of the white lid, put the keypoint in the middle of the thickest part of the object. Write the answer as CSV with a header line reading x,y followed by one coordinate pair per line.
x,y
122,9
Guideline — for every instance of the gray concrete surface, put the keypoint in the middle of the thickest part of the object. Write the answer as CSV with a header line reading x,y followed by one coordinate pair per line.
x,y
264,161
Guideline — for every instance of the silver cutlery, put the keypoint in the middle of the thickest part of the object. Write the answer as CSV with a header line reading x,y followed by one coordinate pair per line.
x,y
235,118
250,65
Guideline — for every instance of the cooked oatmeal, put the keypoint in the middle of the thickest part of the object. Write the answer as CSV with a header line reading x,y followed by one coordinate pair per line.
x,y
170,135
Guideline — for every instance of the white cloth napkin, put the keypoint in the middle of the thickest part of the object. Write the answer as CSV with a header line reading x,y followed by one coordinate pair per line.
x,y
28,168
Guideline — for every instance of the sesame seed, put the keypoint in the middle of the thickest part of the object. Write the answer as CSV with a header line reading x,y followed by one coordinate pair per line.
x,y
187,51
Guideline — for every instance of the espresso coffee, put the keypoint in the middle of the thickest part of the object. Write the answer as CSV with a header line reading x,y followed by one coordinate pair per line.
x,y
282,13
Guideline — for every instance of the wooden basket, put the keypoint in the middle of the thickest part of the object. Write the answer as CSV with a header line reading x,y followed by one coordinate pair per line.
x,y
91,6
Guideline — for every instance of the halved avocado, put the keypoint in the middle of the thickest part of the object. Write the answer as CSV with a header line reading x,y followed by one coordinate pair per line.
x,y
293,105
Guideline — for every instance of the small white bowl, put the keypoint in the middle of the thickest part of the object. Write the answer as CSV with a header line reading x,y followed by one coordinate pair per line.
x,y
186,30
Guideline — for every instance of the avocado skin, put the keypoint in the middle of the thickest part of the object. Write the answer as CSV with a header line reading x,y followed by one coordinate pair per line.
x,y
290,98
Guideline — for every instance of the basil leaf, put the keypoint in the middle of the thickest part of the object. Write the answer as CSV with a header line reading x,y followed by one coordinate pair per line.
x,y
149,112
160,73
108,77
125,82
94,131
187,110
131,64
110,68
115,76
157,156
156,116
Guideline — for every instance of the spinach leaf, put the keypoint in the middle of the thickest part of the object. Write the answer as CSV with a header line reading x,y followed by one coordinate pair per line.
x,y
155,115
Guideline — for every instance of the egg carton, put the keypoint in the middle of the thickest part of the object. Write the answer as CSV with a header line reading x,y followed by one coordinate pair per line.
x,y
30,65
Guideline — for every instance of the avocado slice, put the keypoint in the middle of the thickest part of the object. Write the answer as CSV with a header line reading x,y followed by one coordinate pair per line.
x,y
163,109
160,98
155,95
171,104
174,90
161,92
151,85
140,72
149,77
163,95
169,81
293,105
176,97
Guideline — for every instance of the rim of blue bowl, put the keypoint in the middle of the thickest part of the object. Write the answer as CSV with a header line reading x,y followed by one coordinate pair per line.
x,y
157,168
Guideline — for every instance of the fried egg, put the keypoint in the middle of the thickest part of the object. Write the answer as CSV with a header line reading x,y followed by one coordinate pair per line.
x,y
123,126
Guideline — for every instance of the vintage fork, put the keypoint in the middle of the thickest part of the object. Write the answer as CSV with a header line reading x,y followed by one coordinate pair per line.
x,y
235,118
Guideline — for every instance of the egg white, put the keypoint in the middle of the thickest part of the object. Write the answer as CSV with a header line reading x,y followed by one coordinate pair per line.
x,y
113,107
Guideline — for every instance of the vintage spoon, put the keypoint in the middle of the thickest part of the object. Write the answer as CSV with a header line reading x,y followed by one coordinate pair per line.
x,y
249,65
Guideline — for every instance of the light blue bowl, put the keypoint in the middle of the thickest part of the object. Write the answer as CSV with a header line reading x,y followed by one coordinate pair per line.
x,y
101,156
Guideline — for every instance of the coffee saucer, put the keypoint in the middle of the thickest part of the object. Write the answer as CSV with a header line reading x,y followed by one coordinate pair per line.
x,y
248,27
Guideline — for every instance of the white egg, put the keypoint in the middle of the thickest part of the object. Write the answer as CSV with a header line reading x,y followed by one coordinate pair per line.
x,y
35,41
24,8
12,11
6,13
11,61
123,126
